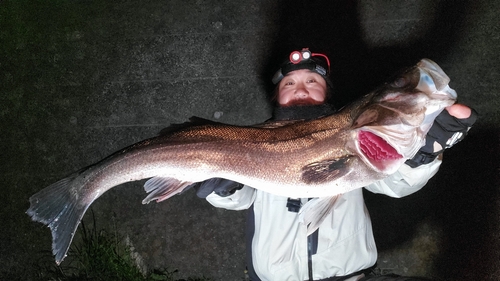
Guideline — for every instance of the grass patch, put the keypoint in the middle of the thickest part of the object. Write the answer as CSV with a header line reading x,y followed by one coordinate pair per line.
x,y
101,255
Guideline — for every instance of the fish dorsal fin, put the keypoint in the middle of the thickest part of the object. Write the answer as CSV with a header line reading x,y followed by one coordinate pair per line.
x,y
161,188
326,170
194,121
276,124
314,212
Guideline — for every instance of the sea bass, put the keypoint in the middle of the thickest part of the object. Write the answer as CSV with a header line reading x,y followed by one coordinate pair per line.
x,y
362,143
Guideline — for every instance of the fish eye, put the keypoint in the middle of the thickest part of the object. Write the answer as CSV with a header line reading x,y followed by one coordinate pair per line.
x,y
400,82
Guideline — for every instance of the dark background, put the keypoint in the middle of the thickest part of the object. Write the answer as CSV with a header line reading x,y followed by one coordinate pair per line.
x,y
82,79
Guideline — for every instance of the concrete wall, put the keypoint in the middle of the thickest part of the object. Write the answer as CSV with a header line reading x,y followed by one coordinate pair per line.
x,y
82,79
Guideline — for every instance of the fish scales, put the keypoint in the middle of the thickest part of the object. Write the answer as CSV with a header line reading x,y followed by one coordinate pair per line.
x,y
362,143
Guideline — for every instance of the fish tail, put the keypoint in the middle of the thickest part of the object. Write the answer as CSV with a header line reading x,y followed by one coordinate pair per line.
x,y
59,207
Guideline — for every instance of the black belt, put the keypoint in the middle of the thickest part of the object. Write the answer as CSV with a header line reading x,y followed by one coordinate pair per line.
x,y
342,278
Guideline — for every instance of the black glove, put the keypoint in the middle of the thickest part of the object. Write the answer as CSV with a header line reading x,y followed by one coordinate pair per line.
x,y
220,186
446,131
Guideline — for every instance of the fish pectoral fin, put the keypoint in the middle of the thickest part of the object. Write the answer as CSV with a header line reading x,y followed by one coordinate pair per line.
x,y
160,188
314,212
326,170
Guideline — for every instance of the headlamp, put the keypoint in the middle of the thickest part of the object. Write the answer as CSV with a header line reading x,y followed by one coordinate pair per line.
x,y
304,59
296,56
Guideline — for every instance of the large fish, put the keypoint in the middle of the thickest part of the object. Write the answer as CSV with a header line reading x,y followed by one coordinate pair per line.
x,y
362,143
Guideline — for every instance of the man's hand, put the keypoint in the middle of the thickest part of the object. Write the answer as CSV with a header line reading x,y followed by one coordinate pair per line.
x,y
450,127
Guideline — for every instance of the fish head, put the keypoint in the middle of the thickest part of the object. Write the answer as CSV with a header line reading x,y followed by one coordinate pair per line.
x,y
390,124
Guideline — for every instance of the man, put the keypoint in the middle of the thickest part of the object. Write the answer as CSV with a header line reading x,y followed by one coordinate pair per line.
x,y
343,248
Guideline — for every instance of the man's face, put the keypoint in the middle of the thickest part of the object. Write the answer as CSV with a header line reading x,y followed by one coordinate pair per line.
x,y
302,87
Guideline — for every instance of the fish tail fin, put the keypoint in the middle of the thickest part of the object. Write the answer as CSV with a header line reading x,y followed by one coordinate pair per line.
x,y
58,207
315,211
161,188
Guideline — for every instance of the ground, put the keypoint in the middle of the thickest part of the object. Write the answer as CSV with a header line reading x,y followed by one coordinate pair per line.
x,y
82,79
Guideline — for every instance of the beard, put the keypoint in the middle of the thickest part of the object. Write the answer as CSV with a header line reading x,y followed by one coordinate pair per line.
x,y
302,112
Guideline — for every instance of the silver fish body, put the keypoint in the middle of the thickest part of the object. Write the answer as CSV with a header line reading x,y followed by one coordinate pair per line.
x,y
362,143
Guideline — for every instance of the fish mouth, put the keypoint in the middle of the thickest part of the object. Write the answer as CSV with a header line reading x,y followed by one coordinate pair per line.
x,y
434,80
377,151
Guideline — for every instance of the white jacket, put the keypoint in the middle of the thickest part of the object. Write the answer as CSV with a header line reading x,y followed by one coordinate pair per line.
x,y
279,247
